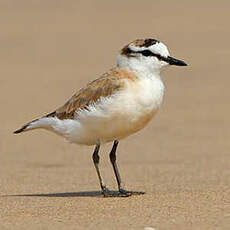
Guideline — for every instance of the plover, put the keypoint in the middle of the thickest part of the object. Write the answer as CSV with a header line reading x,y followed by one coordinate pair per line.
x,y
117,104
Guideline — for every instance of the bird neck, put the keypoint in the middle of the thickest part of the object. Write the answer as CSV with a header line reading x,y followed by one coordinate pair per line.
x,y
141,69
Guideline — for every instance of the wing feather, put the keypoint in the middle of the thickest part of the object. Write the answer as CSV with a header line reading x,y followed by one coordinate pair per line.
x,y
108,84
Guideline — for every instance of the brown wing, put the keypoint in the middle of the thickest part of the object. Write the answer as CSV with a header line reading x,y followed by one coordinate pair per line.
x,y
106,85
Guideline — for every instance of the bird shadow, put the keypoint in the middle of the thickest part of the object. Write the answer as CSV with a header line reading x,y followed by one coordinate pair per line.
x,y
74,194
65,194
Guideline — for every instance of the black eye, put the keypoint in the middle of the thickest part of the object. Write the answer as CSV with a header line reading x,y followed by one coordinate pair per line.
x,y
146,53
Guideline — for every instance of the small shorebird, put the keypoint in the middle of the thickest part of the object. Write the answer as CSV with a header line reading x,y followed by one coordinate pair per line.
x,y
117,104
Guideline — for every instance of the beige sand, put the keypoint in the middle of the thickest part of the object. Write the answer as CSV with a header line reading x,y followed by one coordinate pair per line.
x,y
49,49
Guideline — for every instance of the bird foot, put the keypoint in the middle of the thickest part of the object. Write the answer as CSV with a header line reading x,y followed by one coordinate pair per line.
x,y
126,193
107,193
121,193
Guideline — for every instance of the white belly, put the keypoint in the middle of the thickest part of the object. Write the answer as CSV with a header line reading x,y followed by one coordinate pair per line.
x,y
120,115
114,117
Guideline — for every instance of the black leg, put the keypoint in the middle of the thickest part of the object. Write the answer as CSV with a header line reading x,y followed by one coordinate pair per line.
x,y
112,156
113,159
96,160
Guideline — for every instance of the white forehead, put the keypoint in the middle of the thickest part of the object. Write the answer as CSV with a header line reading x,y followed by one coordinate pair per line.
x,y
160,48
157,48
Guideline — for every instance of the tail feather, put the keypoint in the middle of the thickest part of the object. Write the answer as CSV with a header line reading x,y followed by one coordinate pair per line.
x,y
25,127
67,128
33,124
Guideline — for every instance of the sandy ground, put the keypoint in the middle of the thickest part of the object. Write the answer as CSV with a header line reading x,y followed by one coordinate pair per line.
x,y
49,49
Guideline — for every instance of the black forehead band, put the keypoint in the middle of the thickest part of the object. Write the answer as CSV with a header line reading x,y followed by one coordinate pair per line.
x,y
149,42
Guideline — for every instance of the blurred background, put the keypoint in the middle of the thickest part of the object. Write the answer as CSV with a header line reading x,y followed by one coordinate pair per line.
x,y
49,49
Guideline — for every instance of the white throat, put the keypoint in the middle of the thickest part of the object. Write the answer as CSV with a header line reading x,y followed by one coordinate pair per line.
x,y
136,65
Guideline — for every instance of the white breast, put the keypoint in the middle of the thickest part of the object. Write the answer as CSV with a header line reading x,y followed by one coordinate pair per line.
x,y
114,117
120,115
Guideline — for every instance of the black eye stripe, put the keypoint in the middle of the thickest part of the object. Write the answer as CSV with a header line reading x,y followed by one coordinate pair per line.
x,y
148,53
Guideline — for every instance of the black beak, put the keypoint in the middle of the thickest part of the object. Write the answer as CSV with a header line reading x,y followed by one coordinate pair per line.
x,y
174,61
